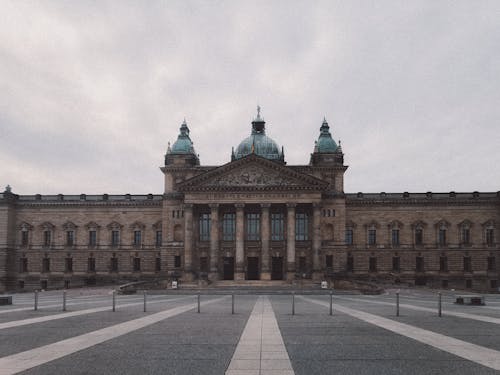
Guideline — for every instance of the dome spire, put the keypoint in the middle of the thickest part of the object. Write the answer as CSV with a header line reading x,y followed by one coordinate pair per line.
x,y
258,124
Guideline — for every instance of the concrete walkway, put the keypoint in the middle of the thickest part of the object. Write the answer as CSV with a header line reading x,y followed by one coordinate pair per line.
x,y
261,350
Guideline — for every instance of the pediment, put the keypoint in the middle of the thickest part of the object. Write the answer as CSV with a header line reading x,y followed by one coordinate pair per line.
x,y
252,173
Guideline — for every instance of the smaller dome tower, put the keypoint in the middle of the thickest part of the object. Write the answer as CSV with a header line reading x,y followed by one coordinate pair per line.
x,y
326,151
182,151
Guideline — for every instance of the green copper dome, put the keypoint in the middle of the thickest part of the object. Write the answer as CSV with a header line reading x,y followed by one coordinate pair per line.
x,y
325,143
258,143
183,145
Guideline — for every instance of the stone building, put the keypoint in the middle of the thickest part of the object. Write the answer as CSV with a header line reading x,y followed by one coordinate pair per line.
x,y
254,218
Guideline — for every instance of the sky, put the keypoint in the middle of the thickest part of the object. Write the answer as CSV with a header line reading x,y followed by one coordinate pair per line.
x,y
91,92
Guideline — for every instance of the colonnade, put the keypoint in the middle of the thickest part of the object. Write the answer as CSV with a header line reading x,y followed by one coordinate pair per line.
x,y
265,238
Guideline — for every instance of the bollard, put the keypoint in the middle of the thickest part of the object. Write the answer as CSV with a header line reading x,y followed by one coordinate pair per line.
x,y
232,303
331,302
439,305
114,300
64,301
198,303
397,304
36,300
293,303
144,292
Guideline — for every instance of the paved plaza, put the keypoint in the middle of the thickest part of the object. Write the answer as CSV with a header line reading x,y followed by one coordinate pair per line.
x,y
267,334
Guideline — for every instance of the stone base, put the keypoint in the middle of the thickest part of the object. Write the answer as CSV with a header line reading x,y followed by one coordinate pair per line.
x,y
265,275
213,276
187,276
290,276
238,276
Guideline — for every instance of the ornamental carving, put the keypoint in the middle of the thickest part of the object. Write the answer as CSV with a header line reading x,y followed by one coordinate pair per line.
x,y
252,176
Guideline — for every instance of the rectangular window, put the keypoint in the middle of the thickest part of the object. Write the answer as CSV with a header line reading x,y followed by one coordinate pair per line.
x,y
277,226
68,265
204,227
137,238
419,236
115,238
91,265
442,237
203,264
92,238
329,261
348,237
419,264
395,237
443,264
47,238
158,238
137,264
177,261
301,227
466,236
490,237
46,265
114,264
23,265
396,264
372,237
44,284
467,264
373,264
24,238
350,264
494,284
70,238
158,264
21,284
444,284
492,264
468,284
228,227
253,227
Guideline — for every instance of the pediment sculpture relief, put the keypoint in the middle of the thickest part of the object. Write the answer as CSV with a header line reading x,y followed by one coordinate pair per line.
x,y
253,176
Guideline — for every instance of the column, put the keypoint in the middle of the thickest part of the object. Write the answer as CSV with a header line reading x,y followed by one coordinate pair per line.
x,y
265,238
316,243
214,240
240,242
290,241
188,240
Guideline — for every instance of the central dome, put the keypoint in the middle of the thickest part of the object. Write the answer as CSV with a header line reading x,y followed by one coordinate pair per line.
x,y
259,143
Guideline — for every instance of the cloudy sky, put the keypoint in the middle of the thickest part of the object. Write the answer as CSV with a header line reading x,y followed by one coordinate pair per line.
x,y
92,92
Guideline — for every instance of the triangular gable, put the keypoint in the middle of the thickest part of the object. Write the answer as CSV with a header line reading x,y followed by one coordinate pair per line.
x,y
252,173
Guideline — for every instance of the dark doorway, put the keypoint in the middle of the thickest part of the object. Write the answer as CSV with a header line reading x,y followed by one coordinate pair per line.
x,y
252,268
277,268
228,268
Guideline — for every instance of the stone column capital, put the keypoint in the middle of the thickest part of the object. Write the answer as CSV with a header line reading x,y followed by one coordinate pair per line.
x,y
265,205
214,206
316,205
188,206
291,204
239,205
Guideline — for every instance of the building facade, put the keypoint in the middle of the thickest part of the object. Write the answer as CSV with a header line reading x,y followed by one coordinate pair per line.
x,y
254,218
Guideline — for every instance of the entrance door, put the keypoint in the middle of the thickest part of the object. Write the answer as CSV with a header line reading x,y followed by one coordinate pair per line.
x,y
252,268
228,268
276,268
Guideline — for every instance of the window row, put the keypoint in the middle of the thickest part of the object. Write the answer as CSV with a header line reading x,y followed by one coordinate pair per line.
x,y
253,225
91,265
70,238
418,237
419,264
